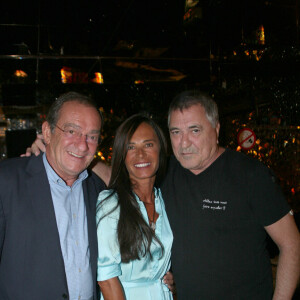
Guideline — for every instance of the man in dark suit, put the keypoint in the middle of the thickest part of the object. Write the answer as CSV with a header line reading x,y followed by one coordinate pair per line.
x,y
48,242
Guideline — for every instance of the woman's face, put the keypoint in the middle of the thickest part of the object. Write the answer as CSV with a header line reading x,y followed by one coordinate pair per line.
x,y
142,159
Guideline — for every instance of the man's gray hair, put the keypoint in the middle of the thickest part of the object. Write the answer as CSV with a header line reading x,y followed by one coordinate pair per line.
x,y
193,97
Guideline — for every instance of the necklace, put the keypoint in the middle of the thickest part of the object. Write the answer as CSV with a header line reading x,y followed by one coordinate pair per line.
x,y
151,222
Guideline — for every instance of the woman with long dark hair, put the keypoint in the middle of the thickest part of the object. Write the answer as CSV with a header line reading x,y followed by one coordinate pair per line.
x,y
134,235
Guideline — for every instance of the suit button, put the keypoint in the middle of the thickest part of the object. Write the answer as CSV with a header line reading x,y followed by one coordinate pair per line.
x,y
65,296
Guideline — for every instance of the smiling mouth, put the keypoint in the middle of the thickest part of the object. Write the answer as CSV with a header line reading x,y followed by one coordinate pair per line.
x,y
142,165
75,155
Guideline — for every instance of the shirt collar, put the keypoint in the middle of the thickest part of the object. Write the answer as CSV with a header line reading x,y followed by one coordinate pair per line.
x,y
53,177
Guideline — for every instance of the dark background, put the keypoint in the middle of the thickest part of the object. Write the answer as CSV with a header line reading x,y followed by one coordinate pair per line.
x,y
147,52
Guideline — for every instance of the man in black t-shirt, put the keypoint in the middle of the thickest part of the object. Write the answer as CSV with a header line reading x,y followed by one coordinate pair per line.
x,y
221,204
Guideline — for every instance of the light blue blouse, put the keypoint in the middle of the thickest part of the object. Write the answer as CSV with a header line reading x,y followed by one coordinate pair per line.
x,y
141,279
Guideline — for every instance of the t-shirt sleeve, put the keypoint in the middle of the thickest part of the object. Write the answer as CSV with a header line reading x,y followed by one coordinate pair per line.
x,y
109,257
267,200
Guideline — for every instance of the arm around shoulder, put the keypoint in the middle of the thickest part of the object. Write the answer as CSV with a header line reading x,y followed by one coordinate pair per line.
x,y
103,171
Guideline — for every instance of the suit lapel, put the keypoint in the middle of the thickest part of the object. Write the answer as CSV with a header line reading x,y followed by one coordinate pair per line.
x,y
90,197
43,209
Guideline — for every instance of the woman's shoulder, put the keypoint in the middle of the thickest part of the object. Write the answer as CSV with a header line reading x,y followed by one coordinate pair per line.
x,y
107,200
107,194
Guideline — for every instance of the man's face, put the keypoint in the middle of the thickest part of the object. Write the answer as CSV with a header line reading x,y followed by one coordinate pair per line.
x,y
194,140
70,155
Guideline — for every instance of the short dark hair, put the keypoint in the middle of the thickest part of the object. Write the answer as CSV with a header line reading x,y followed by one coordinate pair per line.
x,y
55,108
189,98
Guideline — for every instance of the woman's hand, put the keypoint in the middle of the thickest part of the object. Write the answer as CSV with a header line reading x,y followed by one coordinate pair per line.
x,y
169,281
37,146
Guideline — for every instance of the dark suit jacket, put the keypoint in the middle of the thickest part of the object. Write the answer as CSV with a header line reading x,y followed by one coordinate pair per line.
x,y
31,262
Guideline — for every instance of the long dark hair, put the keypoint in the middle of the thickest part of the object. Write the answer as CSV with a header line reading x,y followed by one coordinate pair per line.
x,y
134,234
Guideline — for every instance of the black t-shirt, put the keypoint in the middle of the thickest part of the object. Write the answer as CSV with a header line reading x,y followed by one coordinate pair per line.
x,y
218,219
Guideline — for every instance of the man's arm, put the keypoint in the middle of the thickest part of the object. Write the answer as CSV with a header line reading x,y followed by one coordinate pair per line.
x,y
103,171
112,289
286,236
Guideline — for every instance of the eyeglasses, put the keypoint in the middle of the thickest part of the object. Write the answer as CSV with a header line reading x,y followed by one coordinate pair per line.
x,y
73,133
